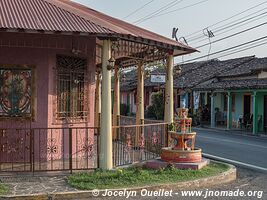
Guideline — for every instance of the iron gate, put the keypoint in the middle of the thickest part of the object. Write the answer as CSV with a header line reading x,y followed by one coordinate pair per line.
x,y
48,149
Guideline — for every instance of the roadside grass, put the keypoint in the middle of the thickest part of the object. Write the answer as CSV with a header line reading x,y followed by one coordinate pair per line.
x,y
3,189
138,176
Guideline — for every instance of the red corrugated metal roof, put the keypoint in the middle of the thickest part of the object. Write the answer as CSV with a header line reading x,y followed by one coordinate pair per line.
x,y
42,15
68,16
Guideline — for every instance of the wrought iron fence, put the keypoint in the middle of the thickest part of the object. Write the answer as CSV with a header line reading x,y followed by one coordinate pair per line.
x,y
126,120
136,143
68,149
48,149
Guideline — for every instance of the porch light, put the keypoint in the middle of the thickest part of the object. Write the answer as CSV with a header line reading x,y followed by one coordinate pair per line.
x,y
76,81
178,70
111,63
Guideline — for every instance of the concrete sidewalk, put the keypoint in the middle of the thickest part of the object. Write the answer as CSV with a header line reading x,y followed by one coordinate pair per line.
x,y
32,185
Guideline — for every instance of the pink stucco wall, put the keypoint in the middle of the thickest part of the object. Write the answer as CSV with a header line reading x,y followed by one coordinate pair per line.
x,y
40,51
42,55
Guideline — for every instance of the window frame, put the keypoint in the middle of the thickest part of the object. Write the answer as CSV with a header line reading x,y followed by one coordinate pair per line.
x,y
33,99
73,114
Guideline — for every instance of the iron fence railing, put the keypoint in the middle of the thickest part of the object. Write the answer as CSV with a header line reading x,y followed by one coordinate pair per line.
x,y
77,148
48,149
137,143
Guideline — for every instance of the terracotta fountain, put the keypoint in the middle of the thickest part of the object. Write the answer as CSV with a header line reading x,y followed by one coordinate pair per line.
x,y
182,153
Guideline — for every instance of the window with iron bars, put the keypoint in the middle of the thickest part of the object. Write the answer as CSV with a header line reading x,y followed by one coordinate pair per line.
x,y
71,88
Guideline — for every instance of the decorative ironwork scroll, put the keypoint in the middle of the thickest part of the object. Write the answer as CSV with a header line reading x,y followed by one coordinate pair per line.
x,y
15,92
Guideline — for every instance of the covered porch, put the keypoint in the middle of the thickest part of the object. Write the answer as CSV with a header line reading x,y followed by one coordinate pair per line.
x,y
243,110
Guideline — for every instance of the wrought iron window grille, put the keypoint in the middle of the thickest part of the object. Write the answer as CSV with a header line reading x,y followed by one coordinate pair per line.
x,y
71,88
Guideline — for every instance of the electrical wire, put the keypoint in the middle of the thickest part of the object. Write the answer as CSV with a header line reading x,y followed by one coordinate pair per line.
x,y
166,7
227,49
232,35
218,34
233,26
191,5
243,49
227,19
158,15
138,9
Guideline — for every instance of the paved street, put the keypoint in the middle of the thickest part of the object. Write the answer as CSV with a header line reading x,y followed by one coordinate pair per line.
x,y
247,149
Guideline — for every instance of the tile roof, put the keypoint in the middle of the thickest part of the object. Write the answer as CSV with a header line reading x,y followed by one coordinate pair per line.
x,y
247,68
203,71
68,16
234,84
208,75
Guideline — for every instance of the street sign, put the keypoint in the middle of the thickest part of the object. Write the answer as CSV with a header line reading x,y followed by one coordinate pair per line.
x,y
157,78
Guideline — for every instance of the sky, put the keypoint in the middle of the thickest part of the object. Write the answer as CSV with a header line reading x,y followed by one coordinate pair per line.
x,y
199,19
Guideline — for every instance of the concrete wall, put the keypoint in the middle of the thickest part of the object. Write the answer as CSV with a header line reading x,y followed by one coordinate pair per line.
x,y
238,106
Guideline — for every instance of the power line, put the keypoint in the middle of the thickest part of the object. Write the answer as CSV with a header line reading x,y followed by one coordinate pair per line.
x,y
230,29
231,23
261,15
227,18
158,15
232,35
138,9
158,11
191,5
227,49
243,49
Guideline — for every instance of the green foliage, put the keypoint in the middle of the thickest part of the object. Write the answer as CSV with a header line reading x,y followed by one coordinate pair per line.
x,y
3,189
124,109
156,110
171,127
139,176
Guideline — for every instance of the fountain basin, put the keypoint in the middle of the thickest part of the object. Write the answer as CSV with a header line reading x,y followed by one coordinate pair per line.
x,y
181,156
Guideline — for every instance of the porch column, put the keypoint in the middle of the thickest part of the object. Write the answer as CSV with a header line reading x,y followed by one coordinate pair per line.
x,y
116,105
229,111
168,111
98,99
105,156
212,111
255,113
140,99
192,102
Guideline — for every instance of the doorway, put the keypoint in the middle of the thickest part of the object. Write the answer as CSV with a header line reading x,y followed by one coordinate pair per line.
x,y
247,105
247,117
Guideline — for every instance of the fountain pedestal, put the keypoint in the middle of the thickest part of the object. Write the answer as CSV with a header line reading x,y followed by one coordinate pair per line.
x,y
182,154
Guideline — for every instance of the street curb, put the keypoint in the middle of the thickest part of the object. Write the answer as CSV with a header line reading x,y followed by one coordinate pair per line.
x,y
235,132
236,163
225,177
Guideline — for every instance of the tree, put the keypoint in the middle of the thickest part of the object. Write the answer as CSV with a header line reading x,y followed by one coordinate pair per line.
x,y
156,110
